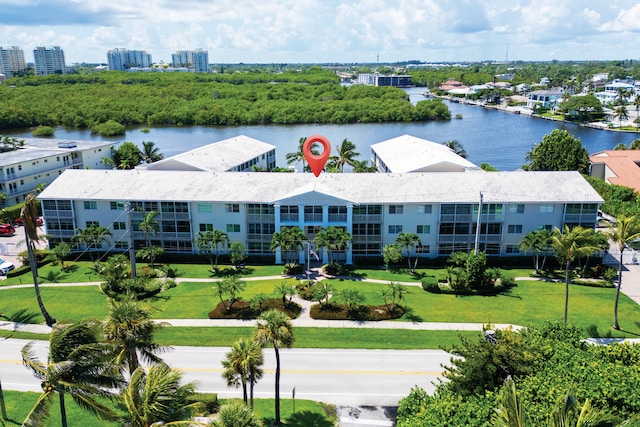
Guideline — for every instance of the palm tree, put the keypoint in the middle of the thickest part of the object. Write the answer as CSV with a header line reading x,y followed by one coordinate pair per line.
x,y
456,147
92,236
149,226
242,365
210,241
636,103
150,153
409,241
537,241
130,328
274,328
625,230
289,240
346,154
510,412
78,366
157,397
29,215
574,243
298,156
621,113
333,239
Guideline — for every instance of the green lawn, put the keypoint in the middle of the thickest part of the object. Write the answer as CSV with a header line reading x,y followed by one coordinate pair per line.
x,y
307,412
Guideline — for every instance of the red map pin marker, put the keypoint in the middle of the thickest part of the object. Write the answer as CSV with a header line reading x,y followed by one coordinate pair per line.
x,y
316,163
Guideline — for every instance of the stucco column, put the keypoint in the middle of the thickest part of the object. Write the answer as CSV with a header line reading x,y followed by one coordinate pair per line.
x,y
350,230
301,258
276,217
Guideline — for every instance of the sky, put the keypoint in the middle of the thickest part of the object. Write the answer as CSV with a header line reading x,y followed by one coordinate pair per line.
x,y
326,31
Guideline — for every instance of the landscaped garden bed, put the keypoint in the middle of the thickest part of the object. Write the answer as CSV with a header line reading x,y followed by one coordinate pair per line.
x,y
245,310
360,313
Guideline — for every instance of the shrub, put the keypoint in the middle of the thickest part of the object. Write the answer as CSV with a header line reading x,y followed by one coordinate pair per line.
x,y
109,128
43,131
332,269
430,284
209,400
292,269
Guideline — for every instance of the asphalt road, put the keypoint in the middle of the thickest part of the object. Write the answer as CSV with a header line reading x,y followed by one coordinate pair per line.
x,y
341,377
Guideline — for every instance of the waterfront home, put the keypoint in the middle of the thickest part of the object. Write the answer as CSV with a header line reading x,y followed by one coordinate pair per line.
x,y
619,167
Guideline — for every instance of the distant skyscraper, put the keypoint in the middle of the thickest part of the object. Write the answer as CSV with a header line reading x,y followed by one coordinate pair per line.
x,y
49,60
123,59
197,60
11,60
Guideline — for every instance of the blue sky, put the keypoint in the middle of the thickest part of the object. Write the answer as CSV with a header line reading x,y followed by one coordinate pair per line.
x,y
275,31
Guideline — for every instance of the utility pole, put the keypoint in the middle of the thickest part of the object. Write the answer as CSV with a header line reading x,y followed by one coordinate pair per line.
x,y
478,223
2,407
132,252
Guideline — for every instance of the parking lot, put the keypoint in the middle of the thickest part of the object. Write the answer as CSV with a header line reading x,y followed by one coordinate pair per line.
x,y
11,246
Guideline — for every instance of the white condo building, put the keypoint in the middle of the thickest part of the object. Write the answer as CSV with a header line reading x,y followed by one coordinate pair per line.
x,y
123,59
11,61
195,60
49,60
441,207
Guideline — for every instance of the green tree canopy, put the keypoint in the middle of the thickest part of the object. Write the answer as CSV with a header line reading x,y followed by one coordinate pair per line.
x,y
559,151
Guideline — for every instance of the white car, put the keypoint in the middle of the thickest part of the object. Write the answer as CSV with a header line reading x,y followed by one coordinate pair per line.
x,y
5,267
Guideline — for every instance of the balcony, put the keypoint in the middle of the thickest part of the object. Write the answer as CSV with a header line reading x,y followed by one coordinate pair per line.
x,y
289,217
337,217
367,219
313,217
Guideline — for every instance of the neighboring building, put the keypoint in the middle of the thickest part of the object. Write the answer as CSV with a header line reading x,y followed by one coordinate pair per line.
x,y
49,60
382,80
442,208
407,153
619,167
11,61
195,60
40,161
612,92
544,98
236,154
123,59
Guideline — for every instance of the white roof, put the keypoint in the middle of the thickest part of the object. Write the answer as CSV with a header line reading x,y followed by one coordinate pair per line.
x,y
356,188
38,148
407,153
217,157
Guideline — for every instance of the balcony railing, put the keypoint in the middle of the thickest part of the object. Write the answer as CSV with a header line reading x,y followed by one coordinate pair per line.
x,y
288,217
337,217
312,217
367,218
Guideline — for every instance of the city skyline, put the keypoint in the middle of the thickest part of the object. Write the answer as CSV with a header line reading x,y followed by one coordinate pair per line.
x,y
278,31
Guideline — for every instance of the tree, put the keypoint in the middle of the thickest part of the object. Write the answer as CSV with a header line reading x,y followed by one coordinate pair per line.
x,y
209,242
157,397
92,237
391,254
409,241
127,156
332,239
229,287
150,153
149,226
237,254
585,108
130,328
289,240
568,246
559,151
298,156
346,154
362,166
392,295
456,147
274,328
538,242
636,103
624,230
635,144
621,113
620,146
78,366
510,413
60,253
29,215
242,366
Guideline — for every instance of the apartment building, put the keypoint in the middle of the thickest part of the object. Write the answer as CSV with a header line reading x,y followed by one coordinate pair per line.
x,y
41,161
441,207
195,60
123,59
11,61
49,60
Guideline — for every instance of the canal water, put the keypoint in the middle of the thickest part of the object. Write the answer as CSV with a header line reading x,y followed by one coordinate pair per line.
x,y
499,138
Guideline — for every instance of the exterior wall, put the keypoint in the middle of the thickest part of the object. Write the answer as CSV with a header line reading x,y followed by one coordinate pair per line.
x,y
11,61
442,228
123,59
49,61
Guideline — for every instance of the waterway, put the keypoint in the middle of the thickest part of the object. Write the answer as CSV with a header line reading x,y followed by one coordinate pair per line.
x,y
496,137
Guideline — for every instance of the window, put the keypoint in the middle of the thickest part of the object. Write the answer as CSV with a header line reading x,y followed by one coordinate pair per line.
x,y
232,207
233,228
90,205
514,228
121,245
119,225
89,224
205,207
547,227
424,209
423,229
206,227
519,208
422,249
117,206
395,209
545,209
394,229
513,249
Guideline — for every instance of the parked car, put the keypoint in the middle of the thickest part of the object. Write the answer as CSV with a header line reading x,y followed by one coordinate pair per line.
x,y
5,267
7,230
18,221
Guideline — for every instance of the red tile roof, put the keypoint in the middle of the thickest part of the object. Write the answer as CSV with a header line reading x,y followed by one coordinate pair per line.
x,y
623,166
